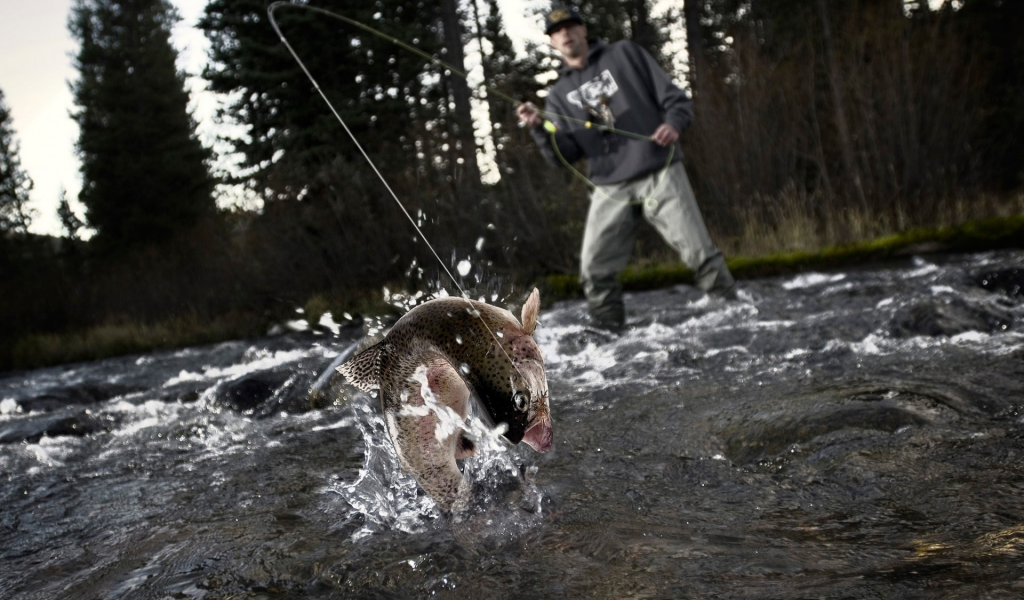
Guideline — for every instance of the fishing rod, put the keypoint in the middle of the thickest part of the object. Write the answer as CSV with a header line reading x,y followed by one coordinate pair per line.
x,y
549,125
284,40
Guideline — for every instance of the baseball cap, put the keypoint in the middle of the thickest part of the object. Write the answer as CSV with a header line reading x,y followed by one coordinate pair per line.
x,y
559,16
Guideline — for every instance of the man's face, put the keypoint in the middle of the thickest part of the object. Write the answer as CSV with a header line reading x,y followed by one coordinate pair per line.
x,y
570,40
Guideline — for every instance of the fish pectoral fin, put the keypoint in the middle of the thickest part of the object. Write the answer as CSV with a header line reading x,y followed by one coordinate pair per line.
x,y
447,386
361,369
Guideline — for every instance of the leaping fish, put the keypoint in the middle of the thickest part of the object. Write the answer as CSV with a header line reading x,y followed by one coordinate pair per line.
x,y
434,359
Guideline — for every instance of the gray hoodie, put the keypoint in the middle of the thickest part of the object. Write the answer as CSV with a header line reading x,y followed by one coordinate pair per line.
x,y
641,97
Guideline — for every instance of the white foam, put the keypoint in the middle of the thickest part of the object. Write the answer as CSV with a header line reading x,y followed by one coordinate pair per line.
x,y
235,371
344,423
869,346
811,280
327,321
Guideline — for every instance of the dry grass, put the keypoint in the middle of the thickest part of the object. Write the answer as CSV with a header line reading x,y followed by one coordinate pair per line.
x,y
121,338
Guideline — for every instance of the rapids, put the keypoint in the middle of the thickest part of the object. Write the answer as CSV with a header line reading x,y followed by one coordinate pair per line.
x,y
855,434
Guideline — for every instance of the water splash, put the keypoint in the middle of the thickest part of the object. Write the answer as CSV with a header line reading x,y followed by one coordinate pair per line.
x,y
505,504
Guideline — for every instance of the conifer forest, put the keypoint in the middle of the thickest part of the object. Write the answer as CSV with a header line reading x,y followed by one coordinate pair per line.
x,y
818,123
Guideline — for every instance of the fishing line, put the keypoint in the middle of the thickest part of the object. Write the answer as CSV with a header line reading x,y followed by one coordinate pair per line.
x,y
284,40
587,124
552,129
549,125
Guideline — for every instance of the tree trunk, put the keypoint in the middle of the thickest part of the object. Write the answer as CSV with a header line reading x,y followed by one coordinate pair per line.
x,y
843,129
695,46
467,174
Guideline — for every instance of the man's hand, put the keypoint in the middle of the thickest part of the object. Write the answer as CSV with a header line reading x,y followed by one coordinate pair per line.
x,y
665,135
528,114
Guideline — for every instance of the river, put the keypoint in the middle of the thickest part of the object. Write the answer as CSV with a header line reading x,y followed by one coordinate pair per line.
x,y
853,434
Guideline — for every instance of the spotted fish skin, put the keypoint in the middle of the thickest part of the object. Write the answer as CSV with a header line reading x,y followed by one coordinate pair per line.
x,y
434,359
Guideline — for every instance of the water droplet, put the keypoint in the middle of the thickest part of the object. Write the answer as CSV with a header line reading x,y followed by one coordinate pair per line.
x,y
464,267
500,334
458,339
464,368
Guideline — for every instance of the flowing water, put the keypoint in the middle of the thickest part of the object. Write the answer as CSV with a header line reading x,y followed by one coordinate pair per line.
x,y
828,435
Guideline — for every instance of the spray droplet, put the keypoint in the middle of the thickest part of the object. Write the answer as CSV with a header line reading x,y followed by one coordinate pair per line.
x,y
458,338
464,267
480,244
500,334
464,368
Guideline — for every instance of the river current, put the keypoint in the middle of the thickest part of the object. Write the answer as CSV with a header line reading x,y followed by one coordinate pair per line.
x,y
855,434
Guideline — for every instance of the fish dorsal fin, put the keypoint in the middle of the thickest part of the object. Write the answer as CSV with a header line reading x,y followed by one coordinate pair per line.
x,y
361,369
531,310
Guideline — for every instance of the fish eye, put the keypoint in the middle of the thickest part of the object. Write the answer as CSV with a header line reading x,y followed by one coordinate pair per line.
x,y
519,399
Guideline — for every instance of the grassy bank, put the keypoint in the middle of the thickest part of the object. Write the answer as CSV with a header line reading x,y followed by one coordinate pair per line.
x,y
987,234
121,338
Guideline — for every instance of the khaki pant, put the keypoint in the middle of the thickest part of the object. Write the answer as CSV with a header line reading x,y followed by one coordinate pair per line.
x,y
666,201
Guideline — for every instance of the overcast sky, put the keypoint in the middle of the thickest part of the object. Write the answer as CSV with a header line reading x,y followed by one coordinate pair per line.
x,y
35,66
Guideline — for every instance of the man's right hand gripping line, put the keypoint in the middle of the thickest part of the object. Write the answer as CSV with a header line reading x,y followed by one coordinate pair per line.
x,y
665,135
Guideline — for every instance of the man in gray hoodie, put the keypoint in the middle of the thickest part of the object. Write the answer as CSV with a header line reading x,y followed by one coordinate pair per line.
x,y
637,169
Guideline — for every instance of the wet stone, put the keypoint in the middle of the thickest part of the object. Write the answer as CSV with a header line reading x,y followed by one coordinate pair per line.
x,y
84,394
1007,281
759,440
74,422
935,319
263,394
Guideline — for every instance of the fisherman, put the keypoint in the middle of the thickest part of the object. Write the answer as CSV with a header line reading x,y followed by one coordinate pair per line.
x,y
620,86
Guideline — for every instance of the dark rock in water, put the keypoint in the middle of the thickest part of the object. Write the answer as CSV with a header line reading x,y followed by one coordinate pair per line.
x,y
767,438
82,394
576,341
77,422
1007,281
948,319
264,394
248,394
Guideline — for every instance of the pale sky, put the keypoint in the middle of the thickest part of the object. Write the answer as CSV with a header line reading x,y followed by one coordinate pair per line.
x,y
35,67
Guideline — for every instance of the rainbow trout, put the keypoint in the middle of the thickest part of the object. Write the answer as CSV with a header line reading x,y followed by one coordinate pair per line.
x,y
434,359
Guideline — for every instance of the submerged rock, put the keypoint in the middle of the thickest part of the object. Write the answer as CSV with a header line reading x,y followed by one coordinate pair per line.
x,y
760,439
1007,281
261,395
76,422
82,394
948,318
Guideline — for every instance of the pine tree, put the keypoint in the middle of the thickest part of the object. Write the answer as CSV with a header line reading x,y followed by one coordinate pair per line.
x,y
69,221
15,184
380,90
614,20
144,172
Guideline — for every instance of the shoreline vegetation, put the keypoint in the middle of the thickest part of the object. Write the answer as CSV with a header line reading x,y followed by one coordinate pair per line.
x,y
126,337
825,135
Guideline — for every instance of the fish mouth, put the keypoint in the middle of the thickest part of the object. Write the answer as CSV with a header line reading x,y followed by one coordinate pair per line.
x,y
538,436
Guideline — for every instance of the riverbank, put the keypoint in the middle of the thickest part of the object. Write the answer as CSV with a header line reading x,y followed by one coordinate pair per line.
x,y
974,236
122,338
